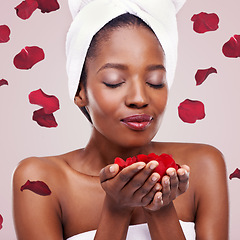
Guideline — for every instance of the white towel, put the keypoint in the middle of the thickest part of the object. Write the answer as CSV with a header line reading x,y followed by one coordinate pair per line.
x,y
141,232
89,16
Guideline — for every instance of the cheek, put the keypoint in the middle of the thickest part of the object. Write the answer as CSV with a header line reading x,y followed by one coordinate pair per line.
x,y
160,101
103,103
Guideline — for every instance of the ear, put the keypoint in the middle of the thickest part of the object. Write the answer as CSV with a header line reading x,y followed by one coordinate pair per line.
x,y
81,98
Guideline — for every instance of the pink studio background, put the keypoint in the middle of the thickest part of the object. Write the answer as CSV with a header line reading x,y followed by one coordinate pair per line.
x,y
21,137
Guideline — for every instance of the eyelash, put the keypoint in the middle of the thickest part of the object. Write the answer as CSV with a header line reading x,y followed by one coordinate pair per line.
x,y
158,86
113,85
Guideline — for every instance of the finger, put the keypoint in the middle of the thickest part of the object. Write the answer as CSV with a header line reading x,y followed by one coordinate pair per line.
x,y
108,172
183,176
147,187
166,189
156,203
148,198
142,177
173,182
128,173
186,167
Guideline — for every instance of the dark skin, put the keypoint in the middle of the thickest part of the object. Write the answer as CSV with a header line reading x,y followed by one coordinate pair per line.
x,y
89,192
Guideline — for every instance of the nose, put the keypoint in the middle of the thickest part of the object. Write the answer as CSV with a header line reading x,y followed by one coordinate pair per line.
x,y
137,96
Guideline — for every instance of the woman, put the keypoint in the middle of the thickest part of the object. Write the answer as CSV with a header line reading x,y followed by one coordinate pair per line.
x,y
125,76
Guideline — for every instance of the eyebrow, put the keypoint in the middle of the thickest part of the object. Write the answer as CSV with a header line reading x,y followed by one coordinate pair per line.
x,y
113,65
155,67
124,67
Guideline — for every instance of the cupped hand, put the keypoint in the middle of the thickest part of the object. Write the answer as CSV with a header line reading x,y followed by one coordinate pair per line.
x,y
174,184
134,186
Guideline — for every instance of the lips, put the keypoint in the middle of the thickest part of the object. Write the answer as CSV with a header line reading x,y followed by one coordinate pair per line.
x,y
137,122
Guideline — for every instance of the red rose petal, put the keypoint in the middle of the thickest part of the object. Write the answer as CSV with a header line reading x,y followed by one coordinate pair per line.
x,y
130,161
121,163
38,187
4,33
235,174
47,6
3,82
50,103
28,57
43,119
25,9
191,110
165,161
142,158
1,221
202,74
232,47
205,22
152,156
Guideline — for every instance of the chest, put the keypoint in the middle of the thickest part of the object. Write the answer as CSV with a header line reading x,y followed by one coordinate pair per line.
x,y
82,205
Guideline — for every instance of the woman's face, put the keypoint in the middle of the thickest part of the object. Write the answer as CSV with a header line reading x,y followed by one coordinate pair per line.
x,y
126,87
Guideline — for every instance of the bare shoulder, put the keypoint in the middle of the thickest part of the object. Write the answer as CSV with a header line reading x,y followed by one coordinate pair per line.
x,y
205,161
36,168
195,155
31,204
49,168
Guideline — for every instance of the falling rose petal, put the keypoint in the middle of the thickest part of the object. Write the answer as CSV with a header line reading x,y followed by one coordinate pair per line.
x,y
25,9
1,221
235,174
165,161
4,33
47,6
205,22
232,47
202,74
190,111
43,119
50,103
28,57
37,187
3,82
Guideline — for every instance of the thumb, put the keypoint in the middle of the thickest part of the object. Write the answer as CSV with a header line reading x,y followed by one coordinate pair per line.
x,y
108,172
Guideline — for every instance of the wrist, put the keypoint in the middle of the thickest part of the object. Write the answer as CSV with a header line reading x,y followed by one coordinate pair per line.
x,y
162,211
115,208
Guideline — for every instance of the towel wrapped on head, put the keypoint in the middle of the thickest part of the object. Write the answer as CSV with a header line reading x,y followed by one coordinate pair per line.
x,y
89,16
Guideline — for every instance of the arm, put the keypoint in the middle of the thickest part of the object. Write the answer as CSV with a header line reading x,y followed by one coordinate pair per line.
x,y
211,196
135,187
35,217
161,215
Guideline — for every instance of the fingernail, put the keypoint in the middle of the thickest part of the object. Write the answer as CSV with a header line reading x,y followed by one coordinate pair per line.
x,y
183,172
166,181
154,178
153,165
112,169
141,166
159,198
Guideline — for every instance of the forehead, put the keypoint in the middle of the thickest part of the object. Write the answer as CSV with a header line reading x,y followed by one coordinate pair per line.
x,y
129,44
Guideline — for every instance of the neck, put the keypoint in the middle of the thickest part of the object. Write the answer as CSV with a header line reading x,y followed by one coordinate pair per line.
x,y
101,152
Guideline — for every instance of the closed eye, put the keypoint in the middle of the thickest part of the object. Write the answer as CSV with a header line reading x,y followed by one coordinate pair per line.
x,y
113,85
156,86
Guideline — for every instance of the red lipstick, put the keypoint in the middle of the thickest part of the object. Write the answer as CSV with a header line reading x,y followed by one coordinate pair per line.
x,y
138,122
